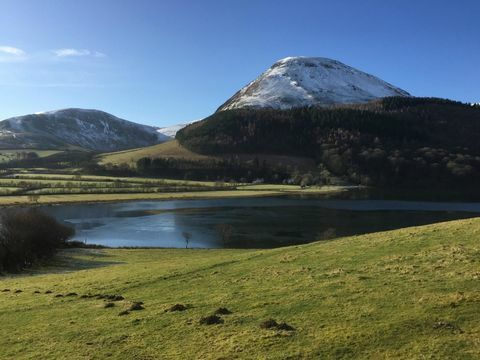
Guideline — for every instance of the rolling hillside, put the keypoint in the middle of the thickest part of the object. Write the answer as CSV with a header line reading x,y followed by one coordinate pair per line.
x,y
173,150
169,149
404,294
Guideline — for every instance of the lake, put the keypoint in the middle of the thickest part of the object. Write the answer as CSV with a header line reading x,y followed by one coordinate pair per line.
x,y
250,222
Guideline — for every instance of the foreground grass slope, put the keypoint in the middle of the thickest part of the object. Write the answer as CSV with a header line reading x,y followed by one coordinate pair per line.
x,y
411,293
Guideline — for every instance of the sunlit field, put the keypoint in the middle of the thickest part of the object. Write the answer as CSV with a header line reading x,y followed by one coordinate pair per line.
x,y
400,294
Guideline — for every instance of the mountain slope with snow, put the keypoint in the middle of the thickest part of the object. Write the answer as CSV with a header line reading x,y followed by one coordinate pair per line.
x,y
307,81
76,128
171,131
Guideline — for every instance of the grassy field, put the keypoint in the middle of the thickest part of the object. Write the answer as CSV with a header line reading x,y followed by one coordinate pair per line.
x,y
170,149
81,198
406,294
94,178
7,155
21,188
210,194
293,188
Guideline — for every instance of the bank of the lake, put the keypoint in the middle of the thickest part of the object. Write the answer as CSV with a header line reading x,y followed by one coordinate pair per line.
x,y
244,191
405,294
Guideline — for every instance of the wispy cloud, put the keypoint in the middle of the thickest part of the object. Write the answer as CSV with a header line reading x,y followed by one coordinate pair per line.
x,y
69,52
14,54
49,68
10,50
11,54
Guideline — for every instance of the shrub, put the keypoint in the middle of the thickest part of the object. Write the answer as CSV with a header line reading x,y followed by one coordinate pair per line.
x,y
33,197
27,236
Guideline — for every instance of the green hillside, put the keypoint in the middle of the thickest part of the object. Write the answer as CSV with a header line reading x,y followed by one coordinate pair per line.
x,y
169,149
405,294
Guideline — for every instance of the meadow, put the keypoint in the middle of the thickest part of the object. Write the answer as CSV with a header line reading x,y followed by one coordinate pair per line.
x,y
405,294
25,188
169,149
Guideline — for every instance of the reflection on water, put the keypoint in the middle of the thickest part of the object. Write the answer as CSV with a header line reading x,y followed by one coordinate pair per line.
x,y
248,222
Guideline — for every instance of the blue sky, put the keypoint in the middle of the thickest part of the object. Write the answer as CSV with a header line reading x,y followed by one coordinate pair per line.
x,y
161,62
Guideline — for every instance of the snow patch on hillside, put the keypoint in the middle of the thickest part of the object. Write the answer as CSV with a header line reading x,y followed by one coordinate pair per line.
x,y
172,130
85,128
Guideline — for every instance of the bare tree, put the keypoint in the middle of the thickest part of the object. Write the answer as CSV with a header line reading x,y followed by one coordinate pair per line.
x,y
187,236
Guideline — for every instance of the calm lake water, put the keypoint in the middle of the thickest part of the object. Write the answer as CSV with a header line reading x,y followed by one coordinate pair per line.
x,y
250,222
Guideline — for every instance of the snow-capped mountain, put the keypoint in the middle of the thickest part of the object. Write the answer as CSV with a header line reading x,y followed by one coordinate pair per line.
x,y
78,128
171,131
307,81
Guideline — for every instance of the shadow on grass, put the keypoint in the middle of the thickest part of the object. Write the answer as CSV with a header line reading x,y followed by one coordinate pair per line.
x,y
69,260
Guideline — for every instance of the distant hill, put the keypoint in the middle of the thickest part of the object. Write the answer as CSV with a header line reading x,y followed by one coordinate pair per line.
x,y
76,129
310,81
395,140
171,131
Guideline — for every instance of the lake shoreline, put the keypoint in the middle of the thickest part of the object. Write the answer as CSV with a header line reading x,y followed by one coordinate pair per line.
x,y
52,200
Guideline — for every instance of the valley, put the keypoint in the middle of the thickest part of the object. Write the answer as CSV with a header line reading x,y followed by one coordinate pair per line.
x,y
318,212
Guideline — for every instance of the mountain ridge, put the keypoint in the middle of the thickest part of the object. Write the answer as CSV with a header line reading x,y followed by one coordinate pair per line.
x,y
87,129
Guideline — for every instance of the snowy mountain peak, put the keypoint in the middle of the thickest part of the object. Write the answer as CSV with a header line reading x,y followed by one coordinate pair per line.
x,y
83,128
306,81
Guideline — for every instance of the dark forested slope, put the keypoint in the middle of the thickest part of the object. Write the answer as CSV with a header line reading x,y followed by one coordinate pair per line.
x,y
396,140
